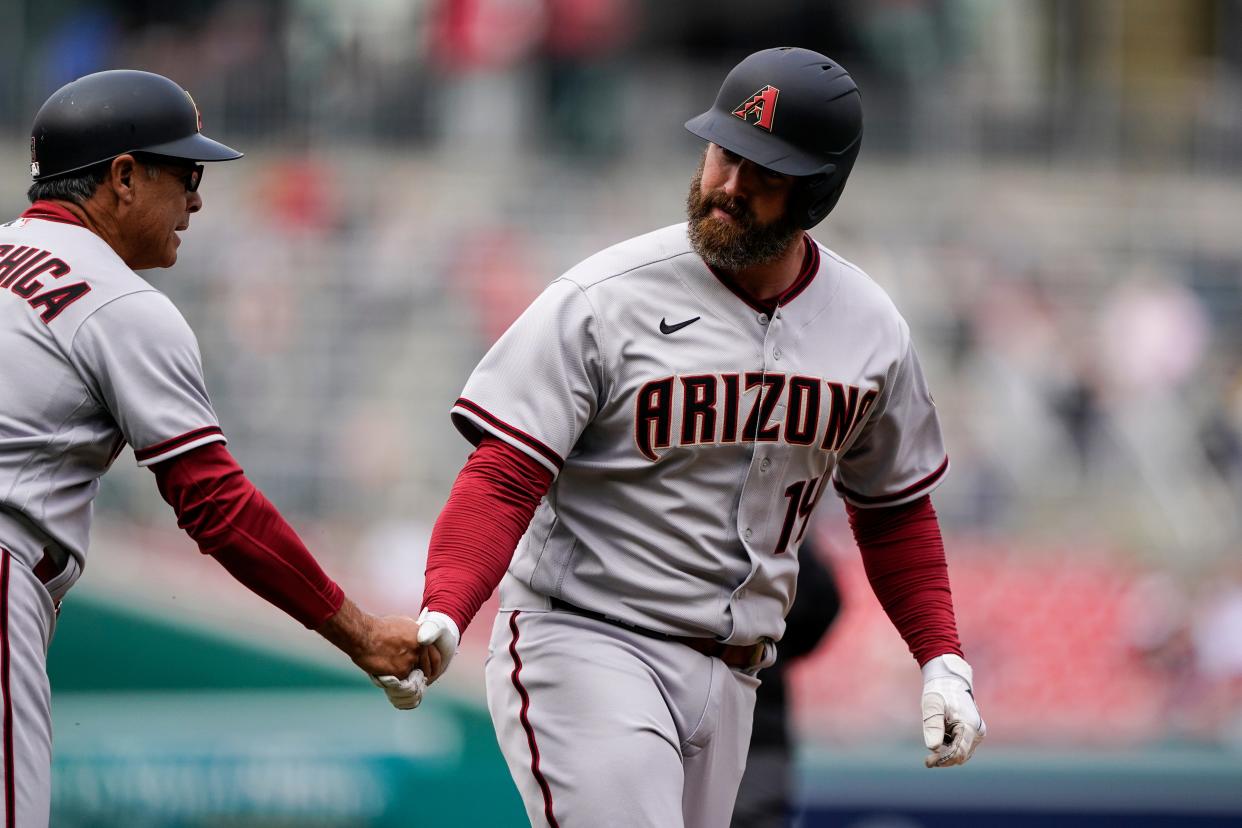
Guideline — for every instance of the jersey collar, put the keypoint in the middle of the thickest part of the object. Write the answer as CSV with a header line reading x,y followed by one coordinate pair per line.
x,y
51,211
810,267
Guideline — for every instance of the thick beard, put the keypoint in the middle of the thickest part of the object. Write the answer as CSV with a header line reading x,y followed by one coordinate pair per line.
x,y
734,247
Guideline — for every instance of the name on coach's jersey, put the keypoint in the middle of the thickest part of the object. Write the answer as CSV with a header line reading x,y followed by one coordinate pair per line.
x,y
24,271
712,406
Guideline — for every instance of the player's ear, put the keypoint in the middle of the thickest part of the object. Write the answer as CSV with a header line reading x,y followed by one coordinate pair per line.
x,y
121,174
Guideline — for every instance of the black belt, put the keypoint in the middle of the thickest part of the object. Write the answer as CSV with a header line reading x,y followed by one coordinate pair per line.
x,y
742,656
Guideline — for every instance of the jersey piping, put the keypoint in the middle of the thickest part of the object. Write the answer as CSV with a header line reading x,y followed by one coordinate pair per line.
x,y
876,500
545,454
178,445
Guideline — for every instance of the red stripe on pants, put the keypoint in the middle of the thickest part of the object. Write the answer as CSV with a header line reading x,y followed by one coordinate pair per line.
x,y
530,731
10,808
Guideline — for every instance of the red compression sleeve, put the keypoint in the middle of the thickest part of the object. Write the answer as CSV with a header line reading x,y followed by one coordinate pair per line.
x,y
491,504
903,554
233,522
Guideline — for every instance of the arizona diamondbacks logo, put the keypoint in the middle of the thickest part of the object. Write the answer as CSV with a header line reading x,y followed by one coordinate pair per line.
x,y
761,105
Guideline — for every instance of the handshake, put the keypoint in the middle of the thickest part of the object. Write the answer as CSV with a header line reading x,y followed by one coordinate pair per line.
x,y
402,656
438,638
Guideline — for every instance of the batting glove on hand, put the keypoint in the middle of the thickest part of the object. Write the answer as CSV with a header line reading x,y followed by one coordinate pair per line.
x,y
952,726
404,694
438,629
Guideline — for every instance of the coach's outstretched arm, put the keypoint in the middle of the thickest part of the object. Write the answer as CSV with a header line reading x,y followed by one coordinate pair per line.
x,y
903,553
379,645
232,521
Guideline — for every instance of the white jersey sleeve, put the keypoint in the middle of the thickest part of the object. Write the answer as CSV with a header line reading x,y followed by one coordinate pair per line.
x,y
541,382
899,455
141,361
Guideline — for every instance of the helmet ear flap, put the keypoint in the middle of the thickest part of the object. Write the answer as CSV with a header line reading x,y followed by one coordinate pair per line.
x,y
817,195
814,199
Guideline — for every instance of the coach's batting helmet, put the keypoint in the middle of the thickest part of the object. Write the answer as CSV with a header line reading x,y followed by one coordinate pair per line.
x,y
107,114
793,111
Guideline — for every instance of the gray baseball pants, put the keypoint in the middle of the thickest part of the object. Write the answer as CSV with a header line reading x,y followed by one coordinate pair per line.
x,y
27,621
604,726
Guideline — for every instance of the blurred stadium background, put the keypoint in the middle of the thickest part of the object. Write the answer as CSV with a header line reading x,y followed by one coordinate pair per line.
x,y
1050,190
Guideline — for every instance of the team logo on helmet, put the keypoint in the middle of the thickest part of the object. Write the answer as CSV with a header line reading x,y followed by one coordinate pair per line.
x,y
198,115
761,105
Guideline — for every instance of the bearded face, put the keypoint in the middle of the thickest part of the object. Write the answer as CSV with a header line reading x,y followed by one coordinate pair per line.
x,y
734,245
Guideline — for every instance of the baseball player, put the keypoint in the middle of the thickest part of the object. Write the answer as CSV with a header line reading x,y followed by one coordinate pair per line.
x,y
653,434
95,358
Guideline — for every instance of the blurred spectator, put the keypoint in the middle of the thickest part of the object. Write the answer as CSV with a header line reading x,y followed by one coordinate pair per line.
x,y
479,52
584,112
1153,333
1221,430
1155,615
495,273
1217,635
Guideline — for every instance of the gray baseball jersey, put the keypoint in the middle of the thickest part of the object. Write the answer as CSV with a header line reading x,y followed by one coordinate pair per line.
x,y
95,358
692,434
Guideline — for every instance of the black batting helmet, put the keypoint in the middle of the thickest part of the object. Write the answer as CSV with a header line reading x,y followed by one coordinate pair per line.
x,y
794,111
107,114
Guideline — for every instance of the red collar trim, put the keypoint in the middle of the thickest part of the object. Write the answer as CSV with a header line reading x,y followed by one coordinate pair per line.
x,y
51,211
810,267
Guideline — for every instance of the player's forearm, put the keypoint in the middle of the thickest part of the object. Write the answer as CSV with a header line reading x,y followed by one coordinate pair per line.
x,y
348,629
233,522
498,489
903,554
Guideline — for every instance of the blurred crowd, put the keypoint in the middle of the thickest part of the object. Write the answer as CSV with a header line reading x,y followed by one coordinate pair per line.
x,y
1079,645
1049,190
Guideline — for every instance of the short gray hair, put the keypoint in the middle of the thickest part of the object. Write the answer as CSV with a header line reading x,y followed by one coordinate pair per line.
x,y
78,187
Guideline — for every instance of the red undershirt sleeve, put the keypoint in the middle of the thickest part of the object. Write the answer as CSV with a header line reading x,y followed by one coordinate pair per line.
x,y
903,554
233,522
490,506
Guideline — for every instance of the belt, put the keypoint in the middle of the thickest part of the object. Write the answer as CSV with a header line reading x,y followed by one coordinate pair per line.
x,y
741,656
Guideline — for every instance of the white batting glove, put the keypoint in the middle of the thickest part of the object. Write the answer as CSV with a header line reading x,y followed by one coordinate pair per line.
x,y
952,726
437,628
404,694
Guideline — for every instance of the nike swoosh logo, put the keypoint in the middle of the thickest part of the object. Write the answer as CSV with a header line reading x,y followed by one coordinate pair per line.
x,y
666,328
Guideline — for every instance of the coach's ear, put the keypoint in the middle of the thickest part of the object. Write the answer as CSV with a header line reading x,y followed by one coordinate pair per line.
x,y
121,174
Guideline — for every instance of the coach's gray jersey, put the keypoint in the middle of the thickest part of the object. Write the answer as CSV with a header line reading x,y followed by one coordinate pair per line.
x,y
93,358
692,435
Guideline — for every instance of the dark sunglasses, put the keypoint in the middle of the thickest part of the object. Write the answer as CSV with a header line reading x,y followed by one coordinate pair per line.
x,y
192,178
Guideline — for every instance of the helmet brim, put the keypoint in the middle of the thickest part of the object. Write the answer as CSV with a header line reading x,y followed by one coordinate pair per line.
x,y
195,147
756,144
